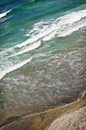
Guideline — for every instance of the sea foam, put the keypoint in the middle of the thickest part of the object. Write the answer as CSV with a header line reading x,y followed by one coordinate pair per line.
x,y
4,14
67,24
60,27
45,31
10,69
27,49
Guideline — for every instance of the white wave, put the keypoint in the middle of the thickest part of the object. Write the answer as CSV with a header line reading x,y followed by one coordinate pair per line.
x,y
67,31
33,38
4,14
72,29
60,27
67,24
27,49
12,68
2,74
46,30
57,27
36,37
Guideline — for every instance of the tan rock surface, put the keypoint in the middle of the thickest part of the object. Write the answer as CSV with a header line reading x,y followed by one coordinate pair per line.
x,y
72,121
69,117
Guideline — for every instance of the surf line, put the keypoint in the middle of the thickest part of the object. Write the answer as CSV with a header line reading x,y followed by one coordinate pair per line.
x,y
10,69
4,14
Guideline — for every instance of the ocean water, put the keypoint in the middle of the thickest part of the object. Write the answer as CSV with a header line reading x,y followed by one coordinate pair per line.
x,y
42,51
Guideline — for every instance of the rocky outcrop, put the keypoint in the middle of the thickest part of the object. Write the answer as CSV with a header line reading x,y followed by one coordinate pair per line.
x,y
72,116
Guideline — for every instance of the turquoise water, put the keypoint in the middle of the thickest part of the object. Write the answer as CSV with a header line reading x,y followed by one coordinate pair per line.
x,y
32,27
42,44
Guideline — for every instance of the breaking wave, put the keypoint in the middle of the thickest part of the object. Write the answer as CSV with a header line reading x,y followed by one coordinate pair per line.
x,y
42,31
4,14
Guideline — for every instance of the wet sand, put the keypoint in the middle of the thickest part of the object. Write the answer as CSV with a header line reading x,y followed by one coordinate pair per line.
x,y
43,120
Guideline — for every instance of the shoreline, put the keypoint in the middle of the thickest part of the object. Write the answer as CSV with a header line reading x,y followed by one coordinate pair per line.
x,y
42,120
